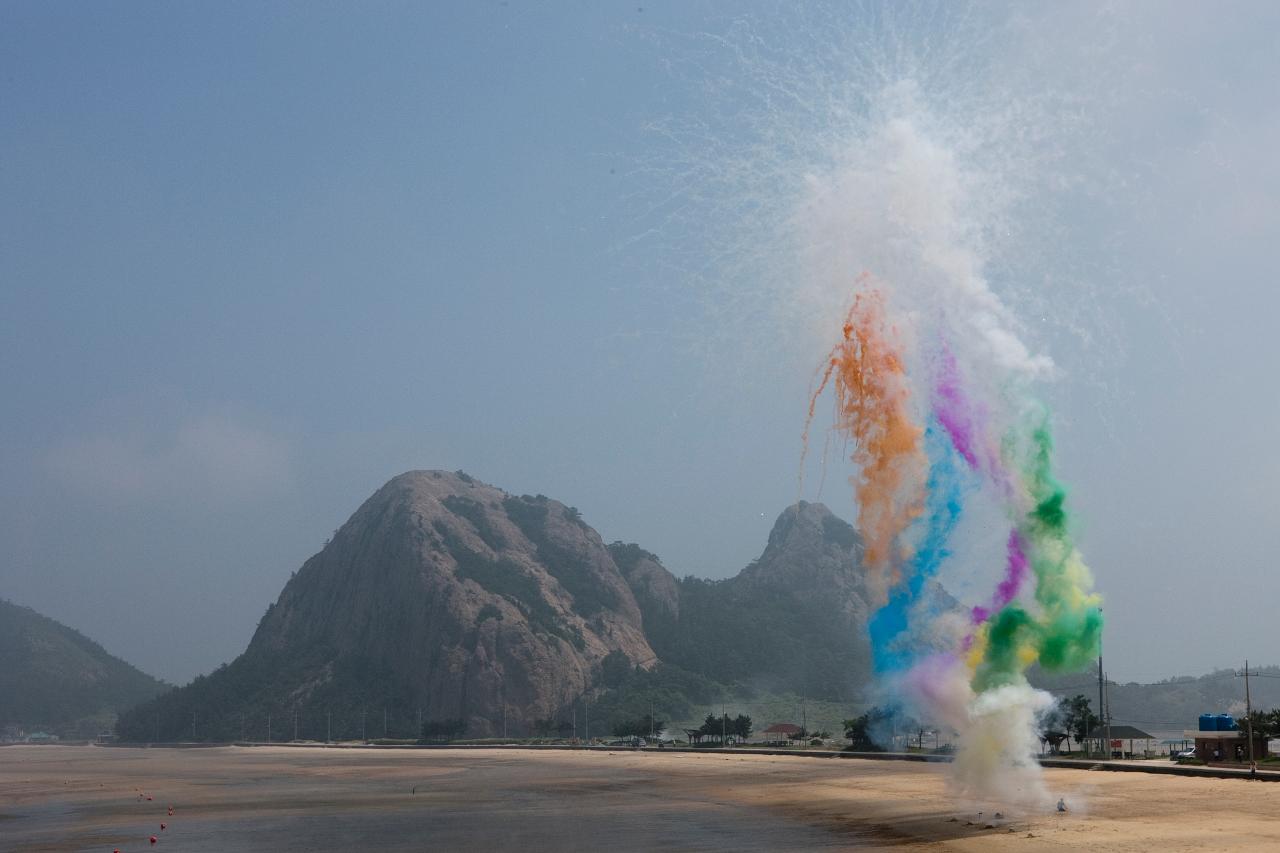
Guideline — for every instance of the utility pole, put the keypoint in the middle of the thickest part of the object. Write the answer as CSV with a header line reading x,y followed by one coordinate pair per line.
x,y
242,726
1100,712
1248,716
193,725
586,723
384,721
651,717
295,722
364,712
328,726
268,728
724,726
575,722
1107,693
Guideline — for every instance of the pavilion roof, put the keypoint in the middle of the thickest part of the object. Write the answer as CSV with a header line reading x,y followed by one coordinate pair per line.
x,y
1122,733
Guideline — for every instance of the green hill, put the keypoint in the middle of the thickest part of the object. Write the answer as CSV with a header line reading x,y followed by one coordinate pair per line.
x,y
55,679
1175,704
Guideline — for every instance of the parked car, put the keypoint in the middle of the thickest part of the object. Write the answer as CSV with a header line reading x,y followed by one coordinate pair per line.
x,y
1182,753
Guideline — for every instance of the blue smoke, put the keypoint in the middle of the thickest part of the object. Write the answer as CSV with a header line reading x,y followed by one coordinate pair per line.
x,y
890,647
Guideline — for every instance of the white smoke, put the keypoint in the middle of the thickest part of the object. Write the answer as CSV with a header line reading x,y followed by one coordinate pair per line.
x,y
998,734
924,144
996,759
899,205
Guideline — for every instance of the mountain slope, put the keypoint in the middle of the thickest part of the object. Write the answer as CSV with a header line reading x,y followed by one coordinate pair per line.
x,y
441,596
793,620
54,678
1173,705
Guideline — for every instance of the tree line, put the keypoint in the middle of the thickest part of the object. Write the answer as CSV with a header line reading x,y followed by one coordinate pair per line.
x,y
722,729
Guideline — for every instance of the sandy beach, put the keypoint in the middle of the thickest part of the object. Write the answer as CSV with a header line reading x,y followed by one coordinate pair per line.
x,y
285,799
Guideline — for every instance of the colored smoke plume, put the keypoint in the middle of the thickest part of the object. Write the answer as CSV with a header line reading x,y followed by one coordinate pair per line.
x,y
888,180
872,408
933,391
911,486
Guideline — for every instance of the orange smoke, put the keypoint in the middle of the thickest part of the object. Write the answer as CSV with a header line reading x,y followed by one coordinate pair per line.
x,y
872,410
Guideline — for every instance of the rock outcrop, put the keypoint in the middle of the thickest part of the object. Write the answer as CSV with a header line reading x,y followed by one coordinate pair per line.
x,y
449,596
792,620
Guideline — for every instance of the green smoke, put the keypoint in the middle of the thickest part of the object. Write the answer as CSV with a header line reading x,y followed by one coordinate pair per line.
x,y
1064,630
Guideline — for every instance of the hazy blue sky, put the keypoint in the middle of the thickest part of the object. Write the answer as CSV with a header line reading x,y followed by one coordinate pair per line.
x,y
257,259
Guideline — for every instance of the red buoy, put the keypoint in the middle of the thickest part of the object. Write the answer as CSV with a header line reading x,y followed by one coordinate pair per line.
x,y
162,827
153,839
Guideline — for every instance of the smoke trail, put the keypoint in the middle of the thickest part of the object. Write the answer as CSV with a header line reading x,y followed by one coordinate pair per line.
x,y
888,627
1064,632
1015,575
1071,623
954,411
872,409
979,688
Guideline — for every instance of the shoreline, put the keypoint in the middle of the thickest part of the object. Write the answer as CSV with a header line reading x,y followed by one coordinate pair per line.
x,y
1152,766
283,797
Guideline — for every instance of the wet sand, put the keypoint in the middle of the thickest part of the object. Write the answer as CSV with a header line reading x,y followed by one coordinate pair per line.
x,y
282,799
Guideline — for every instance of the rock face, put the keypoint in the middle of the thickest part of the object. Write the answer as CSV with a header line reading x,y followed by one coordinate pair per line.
x,y
480,598
656,590
55,679
817,558
794,619
449,596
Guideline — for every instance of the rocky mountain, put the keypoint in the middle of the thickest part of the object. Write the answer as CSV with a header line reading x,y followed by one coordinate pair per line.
x,y
55,679
793,620
441,596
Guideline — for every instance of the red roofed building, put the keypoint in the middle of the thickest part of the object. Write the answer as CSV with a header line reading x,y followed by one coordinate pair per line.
x,y
780,732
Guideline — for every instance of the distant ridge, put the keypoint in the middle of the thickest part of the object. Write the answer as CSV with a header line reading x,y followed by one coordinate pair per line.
x,y
55,679
1175,704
